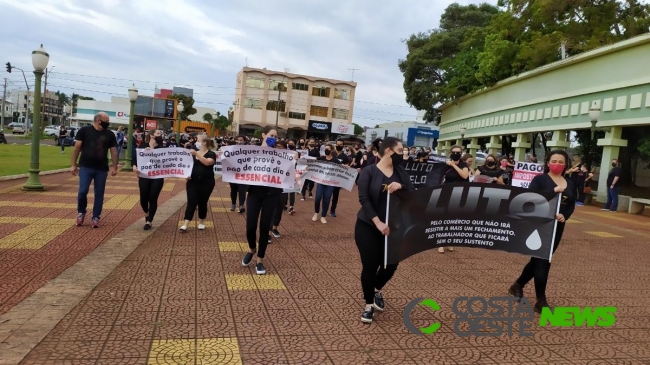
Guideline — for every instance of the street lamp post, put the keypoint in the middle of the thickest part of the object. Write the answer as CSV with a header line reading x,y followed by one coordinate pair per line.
x,y
40,58
594,114
463,130
180,108
130,145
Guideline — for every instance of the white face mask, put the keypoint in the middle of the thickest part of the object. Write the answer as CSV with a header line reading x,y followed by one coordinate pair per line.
x,y
198,144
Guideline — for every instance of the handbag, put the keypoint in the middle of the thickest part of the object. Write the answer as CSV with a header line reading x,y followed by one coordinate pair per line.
x,y
587,190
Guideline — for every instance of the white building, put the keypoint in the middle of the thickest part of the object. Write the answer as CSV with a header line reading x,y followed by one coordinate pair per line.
x,y
308,106
411,133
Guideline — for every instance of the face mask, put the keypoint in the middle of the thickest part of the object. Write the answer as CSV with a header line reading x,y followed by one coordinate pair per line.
x,y
159,140
328,152
491,164
270,141
556,168
339,148
613,164
104,125
292,147
455,156
240,142
396,159
198,145
311,145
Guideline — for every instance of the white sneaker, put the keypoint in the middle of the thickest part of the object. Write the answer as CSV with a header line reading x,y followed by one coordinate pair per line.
x,y
451,249
201,227
183,228
323,220
315,217
441,250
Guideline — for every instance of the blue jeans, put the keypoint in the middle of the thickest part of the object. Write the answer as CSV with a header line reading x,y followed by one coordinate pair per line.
x,y
324,193
612,198
86,176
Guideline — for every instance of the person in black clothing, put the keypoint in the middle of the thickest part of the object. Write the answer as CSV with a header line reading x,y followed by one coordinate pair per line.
x,y
554,180
201,183
490,169
613,187
238,189
150,188
582,181
63,138
291,144
282,202
313,151
376,182
324,192
344,160
457,172
93,142
260,205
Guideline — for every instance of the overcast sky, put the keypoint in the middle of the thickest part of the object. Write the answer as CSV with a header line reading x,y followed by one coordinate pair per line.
x,y
100,47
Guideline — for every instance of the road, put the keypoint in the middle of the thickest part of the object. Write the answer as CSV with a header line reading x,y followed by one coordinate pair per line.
x,y
18,139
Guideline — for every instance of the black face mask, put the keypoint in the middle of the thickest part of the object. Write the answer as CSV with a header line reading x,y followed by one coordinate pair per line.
x,y
292,147
328,152
311,146
339,148
491,163
159,140
455,156
396,159
104,124
613,164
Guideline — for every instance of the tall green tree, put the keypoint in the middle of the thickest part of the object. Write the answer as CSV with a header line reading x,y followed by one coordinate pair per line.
x,y
358,130
217,121
440,65
188,105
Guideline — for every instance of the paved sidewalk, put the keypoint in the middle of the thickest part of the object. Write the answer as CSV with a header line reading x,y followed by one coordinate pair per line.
x,y
38,238
186,299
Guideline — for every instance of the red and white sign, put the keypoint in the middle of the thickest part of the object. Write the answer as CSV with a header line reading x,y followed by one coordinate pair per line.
x,y
342,128
122,115
524,173
151,124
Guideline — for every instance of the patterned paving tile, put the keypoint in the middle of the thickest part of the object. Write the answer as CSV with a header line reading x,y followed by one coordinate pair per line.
x,y
203,351
233,246
254,282
603,234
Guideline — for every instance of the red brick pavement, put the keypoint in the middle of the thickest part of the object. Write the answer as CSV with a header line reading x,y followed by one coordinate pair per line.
x,y
32,252
186,299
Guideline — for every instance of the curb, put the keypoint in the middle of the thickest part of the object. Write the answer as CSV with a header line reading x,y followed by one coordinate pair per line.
x,y
22,176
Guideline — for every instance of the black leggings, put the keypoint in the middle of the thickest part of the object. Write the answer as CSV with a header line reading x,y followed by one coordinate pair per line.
x,y
237,189
149,192
260,207
370,243
198,195
292,199
538,269
279,208
580,190
308,185
335,199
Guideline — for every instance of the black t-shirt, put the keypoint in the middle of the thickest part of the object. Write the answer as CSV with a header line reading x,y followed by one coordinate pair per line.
x,y
63,133
452,176
616,171
581,176
314,152
95,146
486,171
343,158
358,157
383,197
544,182
201,171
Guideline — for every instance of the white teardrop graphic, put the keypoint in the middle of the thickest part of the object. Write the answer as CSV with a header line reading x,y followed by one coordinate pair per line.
x,y
534,241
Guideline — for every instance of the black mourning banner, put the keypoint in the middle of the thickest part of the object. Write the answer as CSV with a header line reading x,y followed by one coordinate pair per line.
x,y
489,216
424,174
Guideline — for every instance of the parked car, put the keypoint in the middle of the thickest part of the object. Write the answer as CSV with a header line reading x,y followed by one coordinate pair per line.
x,y
19,128
52,130
70,141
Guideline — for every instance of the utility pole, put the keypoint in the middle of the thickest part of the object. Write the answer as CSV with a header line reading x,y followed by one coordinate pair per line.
x,y
2,116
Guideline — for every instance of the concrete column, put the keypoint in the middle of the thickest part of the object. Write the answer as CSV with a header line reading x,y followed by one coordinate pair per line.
x,y
494,146
520,146
473,147
446,148
460,143
560,141
611,144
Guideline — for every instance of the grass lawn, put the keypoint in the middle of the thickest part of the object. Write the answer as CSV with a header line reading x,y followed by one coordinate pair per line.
x,y
14,159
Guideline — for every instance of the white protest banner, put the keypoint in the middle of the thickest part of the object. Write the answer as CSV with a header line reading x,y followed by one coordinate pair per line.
x,y
329,173
217,167
524,173
258,165
301,167
164,162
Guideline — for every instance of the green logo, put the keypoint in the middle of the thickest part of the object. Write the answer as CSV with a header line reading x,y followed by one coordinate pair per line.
x,y
407,316
577,317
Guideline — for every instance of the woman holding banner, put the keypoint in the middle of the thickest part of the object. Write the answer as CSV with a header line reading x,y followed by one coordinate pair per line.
x,y
150,188
375,183
200,184
553,180
457,172
324,192
260,206
490,169
238,189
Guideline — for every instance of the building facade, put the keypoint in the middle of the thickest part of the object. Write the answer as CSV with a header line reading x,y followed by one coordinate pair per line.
x,y
302,106
51,108
411,133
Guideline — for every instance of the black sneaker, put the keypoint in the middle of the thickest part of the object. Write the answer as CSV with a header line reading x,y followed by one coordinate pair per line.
x,y
333,214
275,233
242,210
247,259
516,290
379,302
366,316
260,269
540,304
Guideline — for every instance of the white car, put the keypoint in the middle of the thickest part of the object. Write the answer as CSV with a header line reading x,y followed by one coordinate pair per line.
x,y
52,130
